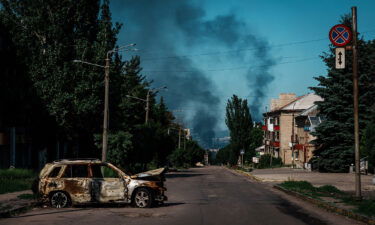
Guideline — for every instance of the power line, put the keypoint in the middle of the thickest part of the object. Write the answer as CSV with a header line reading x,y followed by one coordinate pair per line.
x,y
229,69
234,51
244,49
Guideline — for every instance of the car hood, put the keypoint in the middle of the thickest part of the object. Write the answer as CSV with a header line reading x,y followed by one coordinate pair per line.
x,y
156,174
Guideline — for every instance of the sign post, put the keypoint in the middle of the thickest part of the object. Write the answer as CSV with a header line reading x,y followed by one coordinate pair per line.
x,y
340,36
242,152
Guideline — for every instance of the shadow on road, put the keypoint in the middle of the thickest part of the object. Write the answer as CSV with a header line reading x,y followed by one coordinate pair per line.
x,y
175,175
172,204
58,211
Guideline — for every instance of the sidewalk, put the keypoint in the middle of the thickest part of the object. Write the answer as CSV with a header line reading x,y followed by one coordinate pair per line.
x,y
343,181
11,204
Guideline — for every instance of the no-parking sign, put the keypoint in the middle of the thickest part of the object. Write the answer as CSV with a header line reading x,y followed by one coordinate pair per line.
x,y
340,35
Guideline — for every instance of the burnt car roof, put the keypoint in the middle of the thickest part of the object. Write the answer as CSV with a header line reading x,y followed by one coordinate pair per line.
x,y
77,161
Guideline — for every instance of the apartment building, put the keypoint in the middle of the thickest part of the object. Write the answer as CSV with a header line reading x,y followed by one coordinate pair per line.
x,y
306,122
280,128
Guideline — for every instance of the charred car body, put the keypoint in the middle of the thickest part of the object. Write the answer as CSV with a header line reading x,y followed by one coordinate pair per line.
x,y
82,181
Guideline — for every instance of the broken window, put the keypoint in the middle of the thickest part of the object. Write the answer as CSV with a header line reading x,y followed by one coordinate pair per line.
x,y
55,172
75,171
103,171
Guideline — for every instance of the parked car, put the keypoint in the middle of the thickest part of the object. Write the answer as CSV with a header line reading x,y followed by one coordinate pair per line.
x,y
79,181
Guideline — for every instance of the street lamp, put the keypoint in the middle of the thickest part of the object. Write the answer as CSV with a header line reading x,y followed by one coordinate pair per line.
x,y
106,92
147,100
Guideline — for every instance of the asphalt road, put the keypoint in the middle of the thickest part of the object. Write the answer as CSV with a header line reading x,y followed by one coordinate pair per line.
x,y
210,195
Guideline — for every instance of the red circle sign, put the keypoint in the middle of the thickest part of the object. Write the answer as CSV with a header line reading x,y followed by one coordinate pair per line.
x,y
340,35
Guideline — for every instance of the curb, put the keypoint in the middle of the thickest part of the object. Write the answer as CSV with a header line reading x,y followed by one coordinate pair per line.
x,y
17,210
249,175
328,206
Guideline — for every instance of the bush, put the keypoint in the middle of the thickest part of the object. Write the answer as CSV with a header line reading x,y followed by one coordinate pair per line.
x,y
12,180
366,207
299,186
16,174
265,161
329,189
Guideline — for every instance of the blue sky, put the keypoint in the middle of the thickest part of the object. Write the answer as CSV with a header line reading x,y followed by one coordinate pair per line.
x,y
224,66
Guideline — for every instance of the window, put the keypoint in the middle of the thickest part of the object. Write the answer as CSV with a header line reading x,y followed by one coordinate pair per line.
x,y
55,172
75,171
277,136
103,171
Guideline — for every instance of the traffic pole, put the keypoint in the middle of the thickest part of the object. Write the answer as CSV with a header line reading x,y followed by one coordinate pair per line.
x,y
355,103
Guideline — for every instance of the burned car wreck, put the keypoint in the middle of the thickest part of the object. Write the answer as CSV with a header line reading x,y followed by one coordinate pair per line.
x,y
81,181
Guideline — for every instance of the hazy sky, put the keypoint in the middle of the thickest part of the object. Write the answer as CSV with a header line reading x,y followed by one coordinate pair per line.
x,y
207,50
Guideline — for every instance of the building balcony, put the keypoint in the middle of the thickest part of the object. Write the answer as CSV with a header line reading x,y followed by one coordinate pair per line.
x,y
276,144
298,146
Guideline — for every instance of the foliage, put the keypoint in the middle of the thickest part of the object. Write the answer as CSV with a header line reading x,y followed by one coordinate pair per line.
x,y
66,98
16,174
265,162
12,180
226,155
365,206
27,196
298,186
188,156
330,189
240,124
368,144
335,135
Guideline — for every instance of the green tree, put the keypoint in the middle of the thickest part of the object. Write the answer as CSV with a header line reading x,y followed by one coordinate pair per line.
x,y
239,122
335,135
49,36
223,155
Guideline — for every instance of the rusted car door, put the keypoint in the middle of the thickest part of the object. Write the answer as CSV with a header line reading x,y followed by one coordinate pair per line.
x,y
107,184
76,182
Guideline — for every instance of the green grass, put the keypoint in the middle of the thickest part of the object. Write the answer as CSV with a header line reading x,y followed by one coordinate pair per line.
x,y
27,196
12,180
366,207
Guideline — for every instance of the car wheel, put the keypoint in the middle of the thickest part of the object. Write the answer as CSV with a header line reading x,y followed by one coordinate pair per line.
x,y
59,200
143,198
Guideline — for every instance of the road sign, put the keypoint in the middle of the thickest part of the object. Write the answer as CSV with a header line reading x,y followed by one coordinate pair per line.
x,y
242,152
340,58
340,35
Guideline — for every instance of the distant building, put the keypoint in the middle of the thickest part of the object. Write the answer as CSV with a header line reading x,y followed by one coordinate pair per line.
x,y
280,129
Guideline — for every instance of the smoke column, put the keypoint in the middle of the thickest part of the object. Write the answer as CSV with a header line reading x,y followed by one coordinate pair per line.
x,y
166,29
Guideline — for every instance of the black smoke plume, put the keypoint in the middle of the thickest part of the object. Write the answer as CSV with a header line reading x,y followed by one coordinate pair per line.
x,y
166,29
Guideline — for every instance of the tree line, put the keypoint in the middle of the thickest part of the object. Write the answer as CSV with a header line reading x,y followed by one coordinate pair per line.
x,y
57,99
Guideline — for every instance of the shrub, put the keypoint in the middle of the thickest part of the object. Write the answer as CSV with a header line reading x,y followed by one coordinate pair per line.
x,y
329,189
12,180
265,161
300,186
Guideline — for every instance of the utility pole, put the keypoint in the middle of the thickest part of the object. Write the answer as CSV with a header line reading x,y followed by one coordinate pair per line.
x,y
147,106
184,140
106,97
355,103
292,137
106,92
179,138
